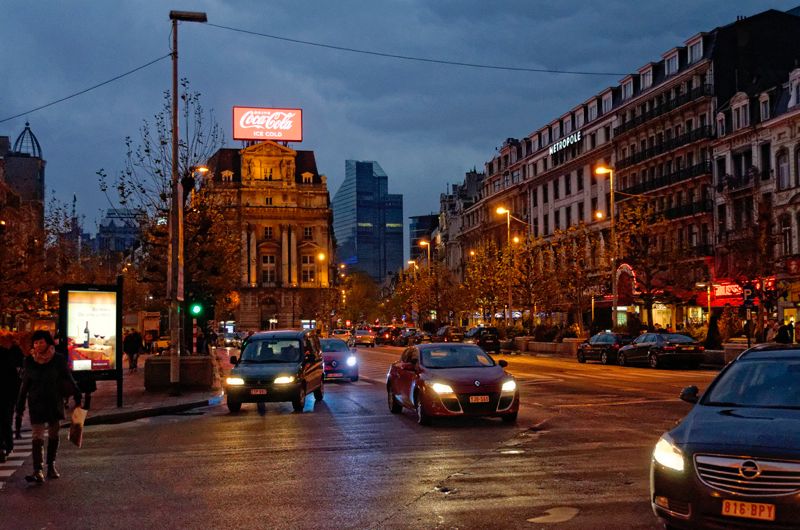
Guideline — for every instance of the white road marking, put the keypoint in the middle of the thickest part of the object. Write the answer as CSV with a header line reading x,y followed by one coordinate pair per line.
x,y
559,514
7,472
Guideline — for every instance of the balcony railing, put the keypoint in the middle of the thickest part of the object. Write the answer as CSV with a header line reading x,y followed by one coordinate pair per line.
x,y
692,95
742,182
685,210
700,133
680,175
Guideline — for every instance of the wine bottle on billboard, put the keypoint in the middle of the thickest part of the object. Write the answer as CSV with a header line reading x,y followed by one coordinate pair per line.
x,y
86,335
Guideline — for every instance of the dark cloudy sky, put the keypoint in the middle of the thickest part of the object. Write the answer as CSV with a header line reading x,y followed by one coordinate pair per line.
x,y
426,124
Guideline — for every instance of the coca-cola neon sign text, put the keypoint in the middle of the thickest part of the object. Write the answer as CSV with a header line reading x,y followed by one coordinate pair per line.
x,y
255,123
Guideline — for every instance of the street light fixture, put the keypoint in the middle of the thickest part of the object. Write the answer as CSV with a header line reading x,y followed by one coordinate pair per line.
x,y
501,210
176,255
605,170
427,244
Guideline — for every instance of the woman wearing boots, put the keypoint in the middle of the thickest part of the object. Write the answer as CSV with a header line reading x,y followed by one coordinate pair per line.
x,y
46,382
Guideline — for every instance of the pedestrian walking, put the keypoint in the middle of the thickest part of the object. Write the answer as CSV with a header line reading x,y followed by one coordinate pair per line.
x,y
132,345
772,331
46,383
783,336
10,378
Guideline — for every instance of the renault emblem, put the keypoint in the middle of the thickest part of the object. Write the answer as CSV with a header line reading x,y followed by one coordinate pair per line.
x,y
477,383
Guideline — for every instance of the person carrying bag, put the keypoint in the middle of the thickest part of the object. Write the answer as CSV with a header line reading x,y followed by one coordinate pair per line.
x,y
46,383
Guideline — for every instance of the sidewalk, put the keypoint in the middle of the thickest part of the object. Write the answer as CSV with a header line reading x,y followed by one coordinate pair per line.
x,y
138,403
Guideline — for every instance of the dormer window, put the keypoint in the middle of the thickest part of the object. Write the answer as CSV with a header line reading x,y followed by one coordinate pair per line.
x,y
556,132
671,64
764,107
579,118
627,89
227,175
721,124
740,112
646,79
606,103
592,110
695,51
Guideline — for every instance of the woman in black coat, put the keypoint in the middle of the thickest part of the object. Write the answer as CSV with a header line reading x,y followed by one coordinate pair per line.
x,y
46,382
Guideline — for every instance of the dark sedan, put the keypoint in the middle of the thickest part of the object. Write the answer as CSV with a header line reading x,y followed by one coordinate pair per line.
x,y
660,349
734,460
449,334
276,366
340,361
441,379
603,347
486,338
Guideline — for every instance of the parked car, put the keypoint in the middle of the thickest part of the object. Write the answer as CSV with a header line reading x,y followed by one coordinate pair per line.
x,y
603,347
364,337
450,334
343,334
403,338
160,346
387,335
231,340
281,365
486,338
659,349
451,380
421,337
340,361
734,460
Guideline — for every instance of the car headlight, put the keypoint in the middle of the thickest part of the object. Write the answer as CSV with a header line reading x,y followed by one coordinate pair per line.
x,y
509,386
284,380
668,455
351,361
234,381
439,388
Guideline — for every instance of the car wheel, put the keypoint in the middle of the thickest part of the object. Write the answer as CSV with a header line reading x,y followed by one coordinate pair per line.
x,y
353,379
394,406
604,358
581,357
319,393
234,406
652,360
422,416
299,403
621,360
510,418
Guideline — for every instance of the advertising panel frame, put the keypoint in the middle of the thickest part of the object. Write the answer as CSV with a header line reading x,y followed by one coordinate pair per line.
x,y
251,138
113,374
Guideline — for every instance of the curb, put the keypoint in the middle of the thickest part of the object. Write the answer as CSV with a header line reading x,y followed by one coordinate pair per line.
x,y
132,415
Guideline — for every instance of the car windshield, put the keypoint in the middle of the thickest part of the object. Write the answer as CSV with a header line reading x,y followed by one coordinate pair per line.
x,y
678,339
272,350
758,383
333,345
455,357
362,332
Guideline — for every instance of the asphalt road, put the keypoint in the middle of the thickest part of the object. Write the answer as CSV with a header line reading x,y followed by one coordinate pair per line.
x,y
578,458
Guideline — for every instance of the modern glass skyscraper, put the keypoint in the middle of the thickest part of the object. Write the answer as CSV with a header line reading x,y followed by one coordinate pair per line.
x,y
368,221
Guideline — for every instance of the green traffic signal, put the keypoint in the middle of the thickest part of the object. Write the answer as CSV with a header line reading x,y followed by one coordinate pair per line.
x,y
196,309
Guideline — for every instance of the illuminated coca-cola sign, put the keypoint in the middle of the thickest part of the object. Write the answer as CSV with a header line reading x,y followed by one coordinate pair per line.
x,y
255,123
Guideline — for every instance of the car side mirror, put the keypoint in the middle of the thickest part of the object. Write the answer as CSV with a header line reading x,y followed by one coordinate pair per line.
x,y
689,394
233,359
503,363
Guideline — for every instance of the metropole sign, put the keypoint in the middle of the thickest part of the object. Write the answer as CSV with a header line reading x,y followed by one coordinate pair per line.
x,y
256,123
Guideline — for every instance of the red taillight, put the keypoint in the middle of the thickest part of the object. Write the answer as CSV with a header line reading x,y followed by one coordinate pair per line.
x,y
616,346
385,335
701,348
669,348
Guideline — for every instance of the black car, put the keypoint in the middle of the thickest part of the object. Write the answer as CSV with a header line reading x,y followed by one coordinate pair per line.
x,y
734,460
603,347
387,335
659,349
449,334
405,336
486,338
276,366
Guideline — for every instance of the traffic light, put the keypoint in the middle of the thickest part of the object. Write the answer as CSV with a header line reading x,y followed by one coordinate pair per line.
x,y
195,309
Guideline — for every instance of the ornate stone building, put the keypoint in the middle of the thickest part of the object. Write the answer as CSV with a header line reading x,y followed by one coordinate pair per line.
x,y
279,203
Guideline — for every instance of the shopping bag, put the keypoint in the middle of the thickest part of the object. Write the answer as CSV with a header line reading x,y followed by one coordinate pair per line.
x,y
76,428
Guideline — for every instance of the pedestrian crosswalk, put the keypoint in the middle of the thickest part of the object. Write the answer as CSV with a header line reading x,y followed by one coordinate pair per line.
x,y
22,450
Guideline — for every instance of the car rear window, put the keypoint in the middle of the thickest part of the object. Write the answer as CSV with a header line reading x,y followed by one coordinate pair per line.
x,y
678,339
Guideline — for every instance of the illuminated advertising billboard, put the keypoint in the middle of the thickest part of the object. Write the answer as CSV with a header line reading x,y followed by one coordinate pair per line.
x,y
91,327
260,124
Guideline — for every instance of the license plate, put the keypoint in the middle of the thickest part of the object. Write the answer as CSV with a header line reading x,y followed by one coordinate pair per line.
x,y
334,374
479,399
258,391
749,510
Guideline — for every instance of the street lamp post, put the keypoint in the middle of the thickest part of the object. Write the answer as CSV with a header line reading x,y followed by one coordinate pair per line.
x,y
500,211
603,170
427,245
176,254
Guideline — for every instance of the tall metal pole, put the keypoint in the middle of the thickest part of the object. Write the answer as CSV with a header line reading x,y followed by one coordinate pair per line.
x,y
613,250
174,283
510,265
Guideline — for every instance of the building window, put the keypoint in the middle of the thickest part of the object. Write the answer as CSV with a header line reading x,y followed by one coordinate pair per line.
x,y
268,272
606,103
721,125
579,118
581,213
568,184
307,178
671,64
535,196
646,79
555,189
546,225
592,111
545,198
308,233
268,201
765,109
567,216
695,51
308,268
782,166
268,232
579,177
627,90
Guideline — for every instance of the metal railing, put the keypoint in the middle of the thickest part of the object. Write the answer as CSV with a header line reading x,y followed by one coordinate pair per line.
x,y
700,133
685,210
672,104
680,175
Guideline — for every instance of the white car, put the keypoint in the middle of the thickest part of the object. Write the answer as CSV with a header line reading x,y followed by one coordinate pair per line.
x,y
363,336
343,334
